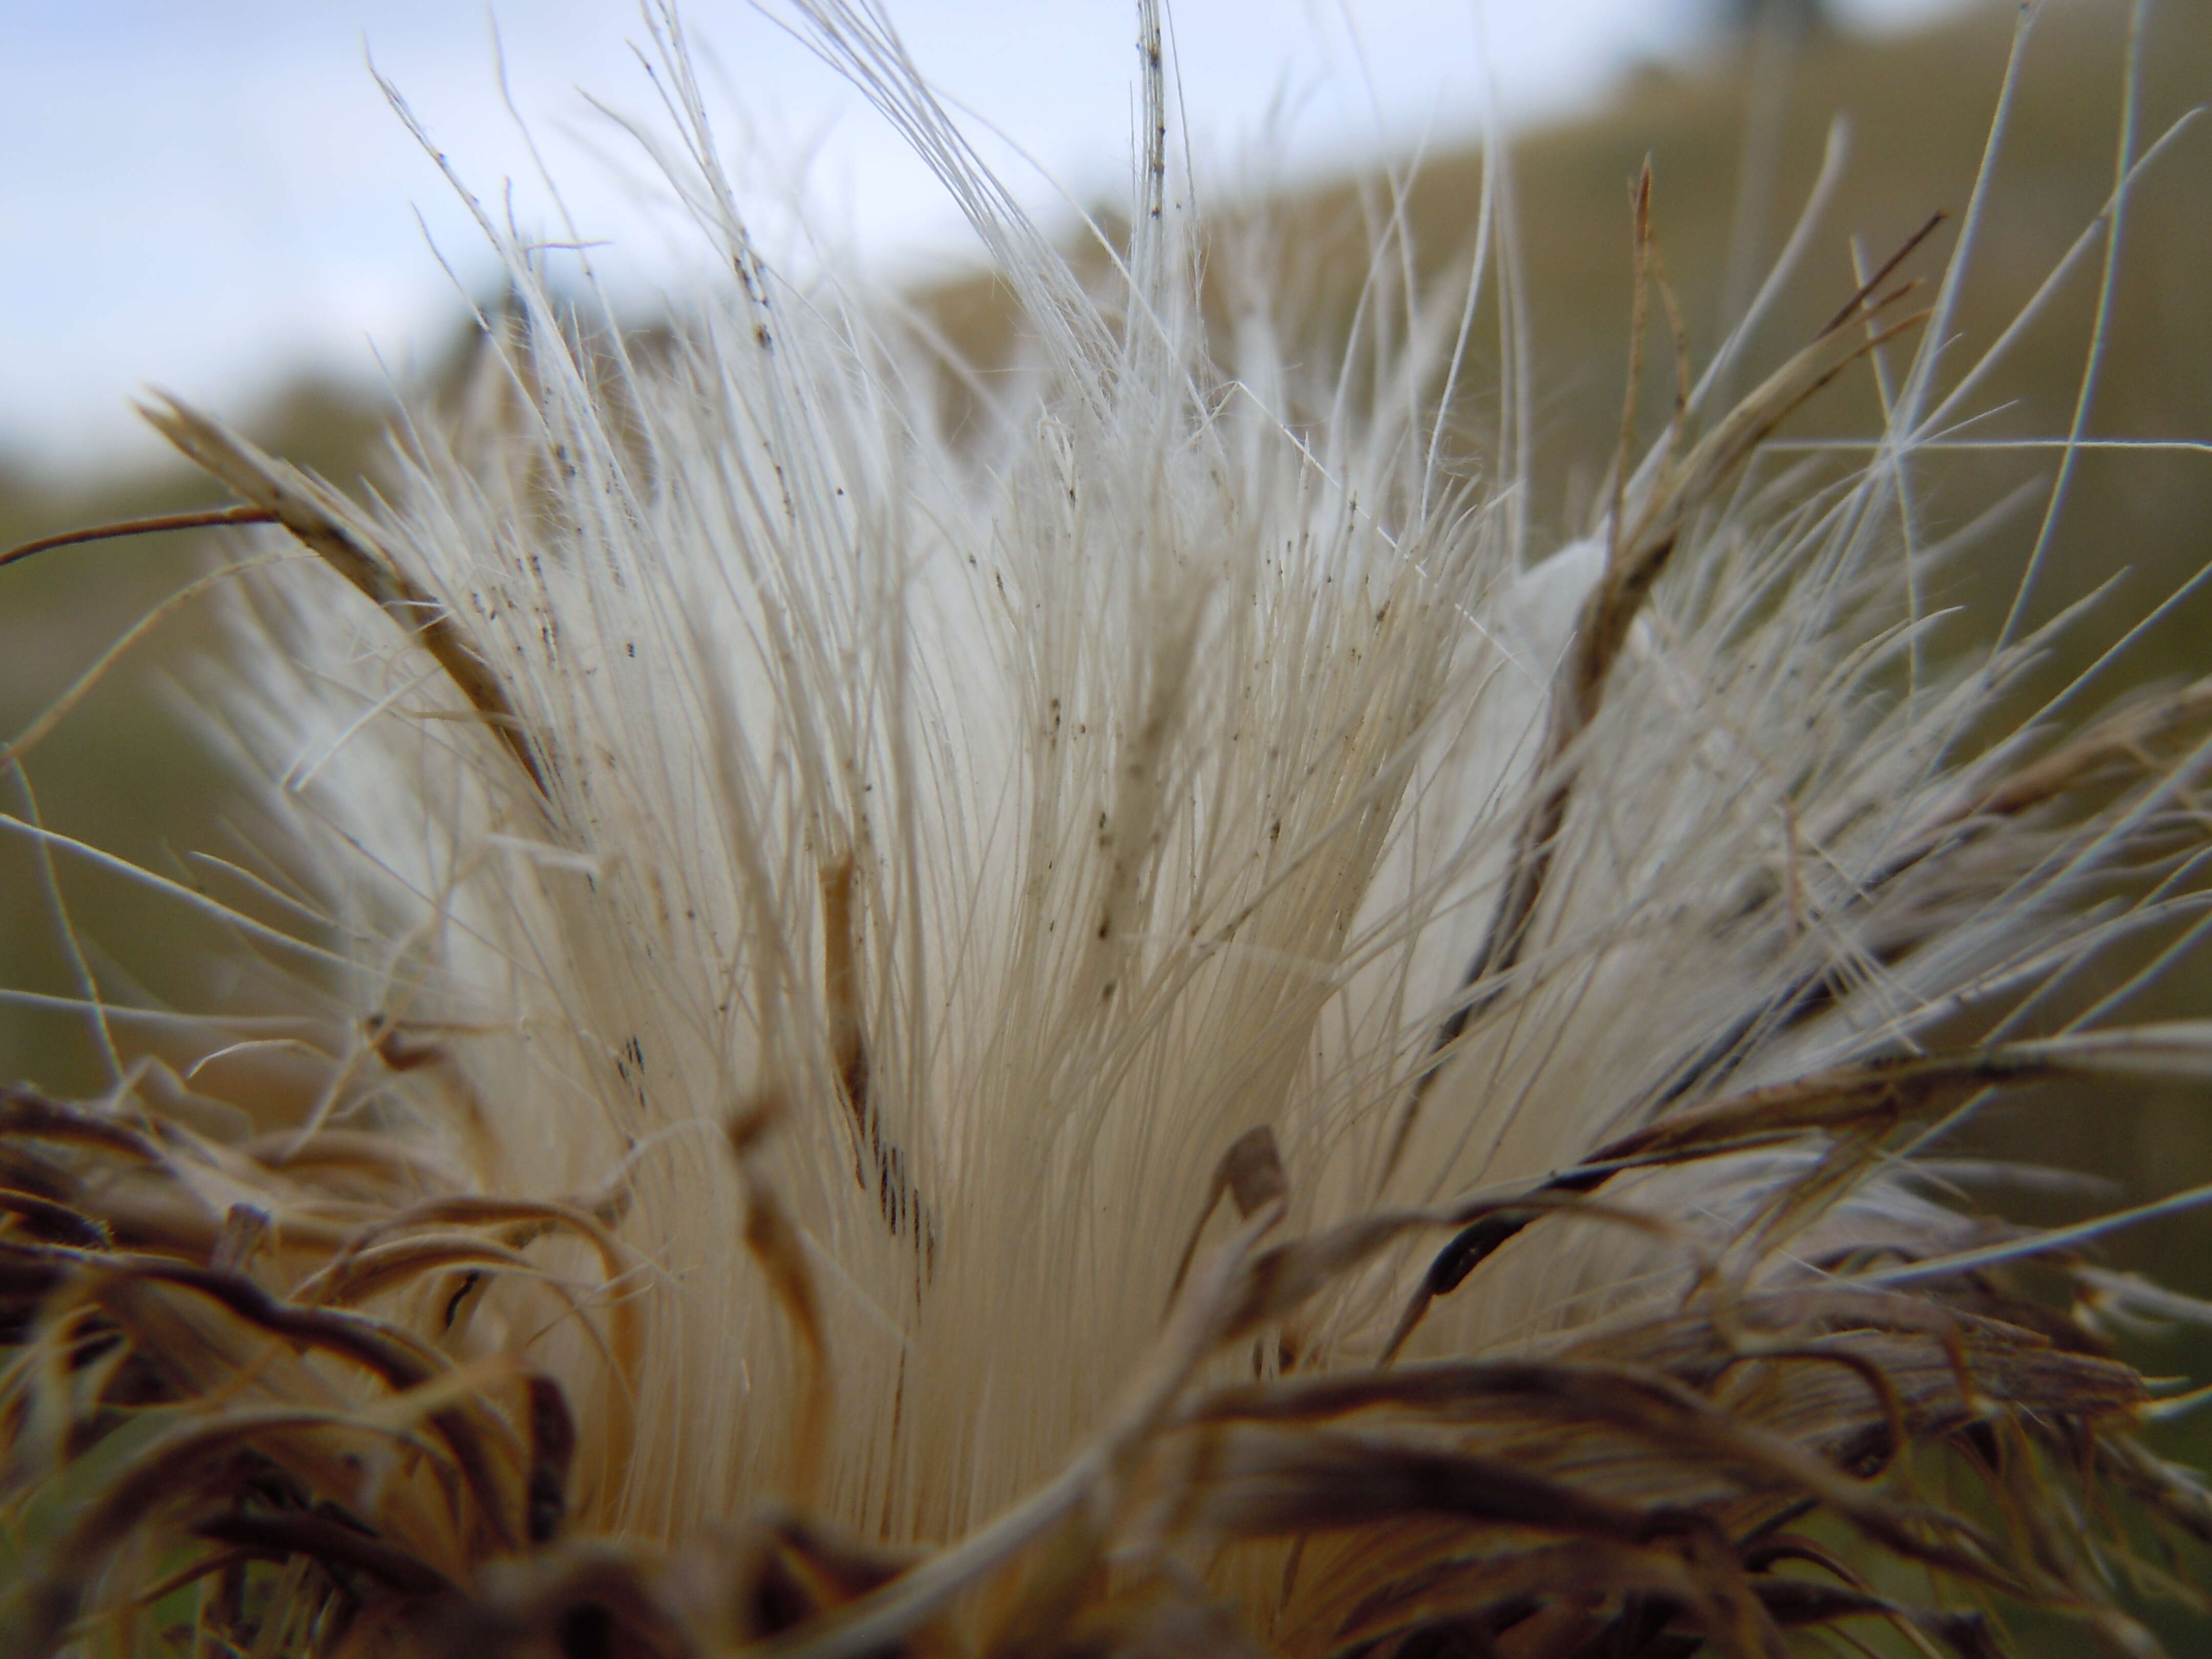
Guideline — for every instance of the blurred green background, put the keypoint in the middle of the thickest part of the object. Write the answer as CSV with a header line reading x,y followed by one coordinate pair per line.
x,y
1734,148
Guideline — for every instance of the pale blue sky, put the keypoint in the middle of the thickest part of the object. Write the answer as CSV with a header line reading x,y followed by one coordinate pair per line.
x,y
207,196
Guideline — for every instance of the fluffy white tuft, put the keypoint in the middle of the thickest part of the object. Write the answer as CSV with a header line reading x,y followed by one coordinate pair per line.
x,y
991,828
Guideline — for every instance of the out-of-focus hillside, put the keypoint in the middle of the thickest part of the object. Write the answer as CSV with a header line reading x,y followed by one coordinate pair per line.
x,y
129,770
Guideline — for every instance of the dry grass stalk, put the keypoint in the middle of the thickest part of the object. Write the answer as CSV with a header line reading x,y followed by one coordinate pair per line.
x,y
717,1185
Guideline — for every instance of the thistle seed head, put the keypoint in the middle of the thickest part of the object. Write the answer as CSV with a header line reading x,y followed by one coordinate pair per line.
x,y
1131,1027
